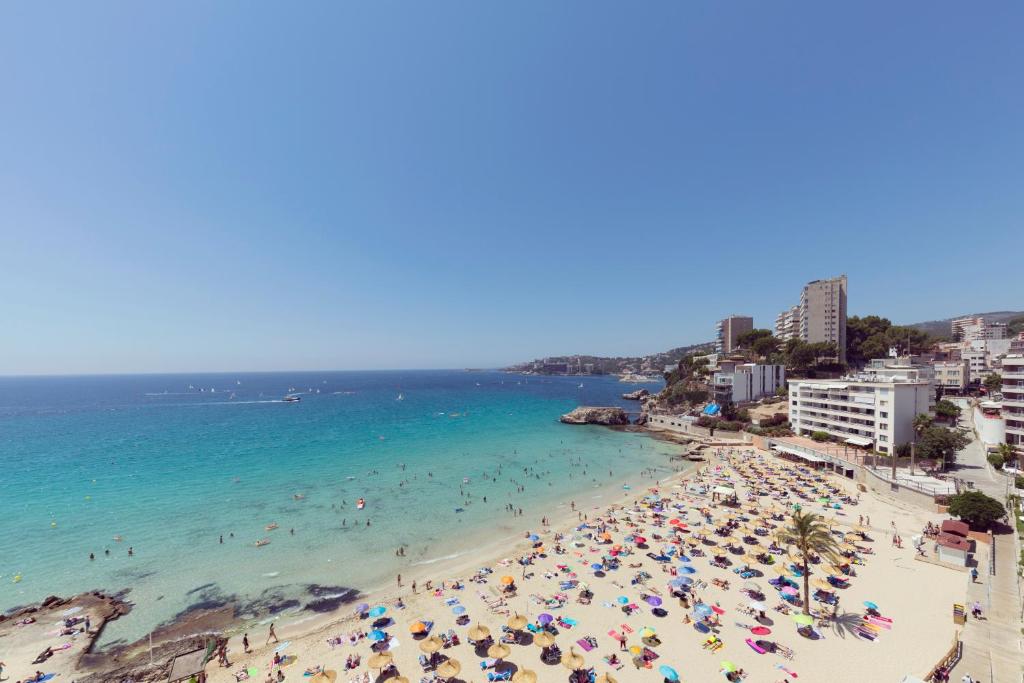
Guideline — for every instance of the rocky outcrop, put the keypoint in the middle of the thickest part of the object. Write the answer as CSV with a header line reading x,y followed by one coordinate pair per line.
x,y
596,415
642,420
636,395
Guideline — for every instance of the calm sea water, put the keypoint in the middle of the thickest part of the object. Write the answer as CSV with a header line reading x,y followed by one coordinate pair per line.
x,y
170,463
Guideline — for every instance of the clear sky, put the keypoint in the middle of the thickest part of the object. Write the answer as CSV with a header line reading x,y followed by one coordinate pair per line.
x,y
252,186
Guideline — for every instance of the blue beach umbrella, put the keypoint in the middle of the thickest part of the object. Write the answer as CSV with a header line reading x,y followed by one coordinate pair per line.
x,y
668,672
378,610
458,610
684,558
703,610
534,537
681,581
686,569
870,605
377,635
622,600
597,566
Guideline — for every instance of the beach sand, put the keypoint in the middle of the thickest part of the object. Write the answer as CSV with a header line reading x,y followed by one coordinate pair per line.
x,y
916,595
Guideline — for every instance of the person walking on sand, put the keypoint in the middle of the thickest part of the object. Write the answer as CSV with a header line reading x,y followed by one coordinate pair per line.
x,y
245,643
399,579
271,634
974,575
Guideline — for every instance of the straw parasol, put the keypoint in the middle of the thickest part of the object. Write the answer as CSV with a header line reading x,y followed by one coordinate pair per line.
x,y
517,622
571,660
449,668
544,639
605,678
498,651
479,632
524,676
327,676
399,679
379,660
431,645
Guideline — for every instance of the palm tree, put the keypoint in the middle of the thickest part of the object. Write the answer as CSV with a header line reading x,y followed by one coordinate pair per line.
x,y
809,533
921,423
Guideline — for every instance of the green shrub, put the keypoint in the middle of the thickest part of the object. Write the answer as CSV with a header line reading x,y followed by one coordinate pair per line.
x,y
1018,481
996,460
820,436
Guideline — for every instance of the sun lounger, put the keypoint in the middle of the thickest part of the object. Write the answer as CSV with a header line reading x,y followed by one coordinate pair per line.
x,y
503,676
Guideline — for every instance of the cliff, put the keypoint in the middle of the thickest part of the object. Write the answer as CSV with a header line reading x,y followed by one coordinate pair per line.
x,y
596,415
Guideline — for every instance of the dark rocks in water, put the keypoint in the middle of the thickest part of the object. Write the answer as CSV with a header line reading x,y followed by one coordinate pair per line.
x,y
642,420
636,395
596,415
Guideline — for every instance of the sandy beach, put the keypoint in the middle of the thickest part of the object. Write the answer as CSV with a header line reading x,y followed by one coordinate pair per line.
x,y
912,631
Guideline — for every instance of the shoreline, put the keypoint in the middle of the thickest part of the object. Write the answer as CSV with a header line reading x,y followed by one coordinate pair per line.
x,y
223,623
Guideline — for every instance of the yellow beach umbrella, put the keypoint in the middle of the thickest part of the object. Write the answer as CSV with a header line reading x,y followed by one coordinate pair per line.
x,y
417,627
479,632
431,645
571,660
517,622
379,660
498,651
544,639
449,668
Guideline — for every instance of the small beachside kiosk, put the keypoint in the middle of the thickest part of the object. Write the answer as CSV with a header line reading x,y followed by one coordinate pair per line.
x,y
953,545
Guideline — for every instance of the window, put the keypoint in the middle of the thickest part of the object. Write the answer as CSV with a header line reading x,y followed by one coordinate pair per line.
x,y
883,414
883,437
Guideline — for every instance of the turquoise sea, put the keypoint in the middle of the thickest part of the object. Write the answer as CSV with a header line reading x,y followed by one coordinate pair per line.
x,y
170,463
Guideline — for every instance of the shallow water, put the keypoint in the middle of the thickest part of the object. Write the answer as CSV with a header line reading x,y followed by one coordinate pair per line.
x,y
170,466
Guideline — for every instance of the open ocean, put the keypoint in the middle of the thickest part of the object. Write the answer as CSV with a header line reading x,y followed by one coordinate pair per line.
x,y
171,462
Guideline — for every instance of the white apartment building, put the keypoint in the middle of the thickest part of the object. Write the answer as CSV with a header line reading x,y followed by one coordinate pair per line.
x,y
875,414
959,326
787,324
952,375
820,316
728,331
740,382
1013,399
977,363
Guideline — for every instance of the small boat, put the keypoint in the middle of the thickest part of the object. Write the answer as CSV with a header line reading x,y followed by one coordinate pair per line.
x,y
118,538
465,480
299,496
271,526
262,542
401,397
292,398
360,504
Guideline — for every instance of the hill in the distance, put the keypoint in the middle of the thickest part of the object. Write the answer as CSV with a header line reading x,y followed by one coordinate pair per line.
x,y
941,328
602,365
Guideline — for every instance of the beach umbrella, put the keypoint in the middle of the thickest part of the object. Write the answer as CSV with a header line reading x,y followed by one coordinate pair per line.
x,y
379,660
534,537
399,679
571,660
458,610
605,678
507,580
646,632
703,609
524,676
870,605
781,570
803,619
789,590
545,619
326,676
517,622
653,600
687,570
479,632
822,584
417,627
682,581
717,610
684,558
377,611
377,635
449,668
668,672
758,606
761,631
597,567
752,586
728,667
498,651
431,645
622,600
635,649
544,639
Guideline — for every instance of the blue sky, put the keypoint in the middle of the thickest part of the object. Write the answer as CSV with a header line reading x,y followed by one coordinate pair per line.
x,y
241,186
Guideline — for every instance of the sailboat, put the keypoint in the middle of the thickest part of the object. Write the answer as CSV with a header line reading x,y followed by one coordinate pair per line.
x,y
400,397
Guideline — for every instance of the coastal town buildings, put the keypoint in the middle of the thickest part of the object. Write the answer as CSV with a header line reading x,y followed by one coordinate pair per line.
x,y
787,324
951,376
1013,400
977,328
875,414
821,315
739,382
728,331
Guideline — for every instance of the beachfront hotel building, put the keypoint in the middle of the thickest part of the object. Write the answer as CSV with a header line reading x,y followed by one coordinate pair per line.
x,y
819,317
875,414
739,382
1013,400
728,331
977,328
